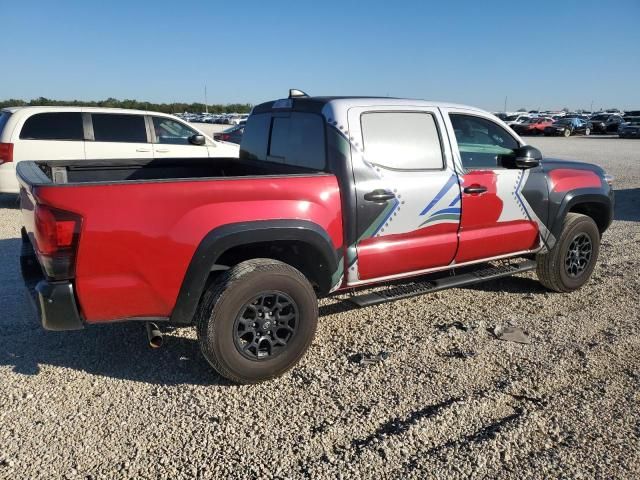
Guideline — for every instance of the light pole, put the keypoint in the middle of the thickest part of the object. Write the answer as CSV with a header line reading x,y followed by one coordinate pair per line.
x,y
206,103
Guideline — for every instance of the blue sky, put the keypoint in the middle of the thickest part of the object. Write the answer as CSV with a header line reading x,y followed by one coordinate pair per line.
x,y
540,53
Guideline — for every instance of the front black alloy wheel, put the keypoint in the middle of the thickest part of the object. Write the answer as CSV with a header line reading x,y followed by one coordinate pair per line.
x,y
578,255
570,263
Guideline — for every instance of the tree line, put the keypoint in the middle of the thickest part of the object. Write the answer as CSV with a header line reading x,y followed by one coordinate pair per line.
x,y
177,107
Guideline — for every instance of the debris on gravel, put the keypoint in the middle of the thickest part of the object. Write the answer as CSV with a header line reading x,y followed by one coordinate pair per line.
x,y
368,358
509,333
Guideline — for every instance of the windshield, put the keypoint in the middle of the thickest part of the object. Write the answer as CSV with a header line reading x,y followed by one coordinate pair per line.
x,y
511,118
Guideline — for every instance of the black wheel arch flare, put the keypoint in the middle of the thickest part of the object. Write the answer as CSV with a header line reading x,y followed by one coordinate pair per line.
x,y
574,199
221,239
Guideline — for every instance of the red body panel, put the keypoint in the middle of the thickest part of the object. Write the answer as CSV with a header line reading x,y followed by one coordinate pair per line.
x,y
481,235
565,179
417,250
137,239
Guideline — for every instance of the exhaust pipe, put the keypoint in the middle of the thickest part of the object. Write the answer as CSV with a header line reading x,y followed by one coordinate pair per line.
x,y
154,335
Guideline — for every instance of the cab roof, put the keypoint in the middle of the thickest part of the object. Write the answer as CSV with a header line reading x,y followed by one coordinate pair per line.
x,y
316,104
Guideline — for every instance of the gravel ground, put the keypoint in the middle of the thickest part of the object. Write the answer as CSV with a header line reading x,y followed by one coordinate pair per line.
x,y
448,401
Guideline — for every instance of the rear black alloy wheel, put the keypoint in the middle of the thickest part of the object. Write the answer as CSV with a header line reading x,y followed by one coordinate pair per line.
x,y
265,325
578,255
256,320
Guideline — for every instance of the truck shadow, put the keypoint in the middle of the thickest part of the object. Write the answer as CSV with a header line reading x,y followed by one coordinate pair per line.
x,y
117,350
515,284
627,205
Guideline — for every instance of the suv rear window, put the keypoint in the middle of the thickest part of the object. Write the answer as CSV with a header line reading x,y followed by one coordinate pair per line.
x,y
53,126
291,139
4,118
110,127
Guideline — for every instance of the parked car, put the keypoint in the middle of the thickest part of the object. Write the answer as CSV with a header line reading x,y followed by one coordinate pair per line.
x,y
630,128
534,126
77,133
605,123
512,120
568,126
238,119
329,194
233,134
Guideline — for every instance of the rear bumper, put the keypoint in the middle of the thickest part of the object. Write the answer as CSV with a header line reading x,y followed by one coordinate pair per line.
x,y
8,180
54,301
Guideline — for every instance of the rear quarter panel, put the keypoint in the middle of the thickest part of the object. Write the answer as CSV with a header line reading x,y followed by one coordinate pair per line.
x,y
137,239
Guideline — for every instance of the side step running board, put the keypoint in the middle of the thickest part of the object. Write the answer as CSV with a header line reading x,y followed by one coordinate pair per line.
x,y
429,286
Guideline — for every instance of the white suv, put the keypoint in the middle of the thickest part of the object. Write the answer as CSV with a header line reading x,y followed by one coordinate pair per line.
x,y
78,133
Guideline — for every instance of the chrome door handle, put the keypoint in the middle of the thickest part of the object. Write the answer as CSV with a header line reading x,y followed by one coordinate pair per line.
x,y
475,189
379,196
143,150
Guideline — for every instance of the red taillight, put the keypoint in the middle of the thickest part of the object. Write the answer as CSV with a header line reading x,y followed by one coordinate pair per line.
x,y
56,237
225,137
6,153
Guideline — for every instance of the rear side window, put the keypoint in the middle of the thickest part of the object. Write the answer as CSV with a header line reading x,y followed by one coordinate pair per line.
x,y
402,140
296,139
255,140
53,126
109,127
4,118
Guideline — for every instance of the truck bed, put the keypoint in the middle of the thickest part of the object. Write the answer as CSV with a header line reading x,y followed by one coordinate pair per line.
x,y
143,221
128,170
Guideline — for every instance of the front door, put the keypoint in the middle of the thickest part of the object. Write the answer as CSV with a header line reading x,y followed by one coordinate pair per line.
x,y
407,192
496,218
171,140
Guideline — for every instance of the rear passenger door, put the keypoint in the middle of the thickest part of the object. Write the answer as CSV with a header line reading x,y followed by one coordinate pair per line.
x,y
171,140
51,136
117,135
407,192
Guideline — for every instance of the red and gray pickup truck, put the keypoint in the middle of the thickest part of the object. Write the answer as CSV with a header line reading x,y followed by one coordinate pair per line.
x,y
329,195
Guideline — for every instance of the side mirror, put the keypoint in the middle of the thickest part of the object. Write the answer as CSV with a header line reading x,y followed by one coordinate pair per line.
x,y
527,157
197,140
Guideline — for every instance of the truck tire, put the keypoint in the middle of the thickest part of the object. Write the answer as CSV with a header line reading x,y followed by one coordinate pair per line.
x,y
570,263
256,320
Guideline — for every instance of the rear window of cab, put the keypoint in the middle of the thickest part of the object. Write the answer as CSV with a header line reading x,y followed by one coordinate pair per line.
x,y
291,138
